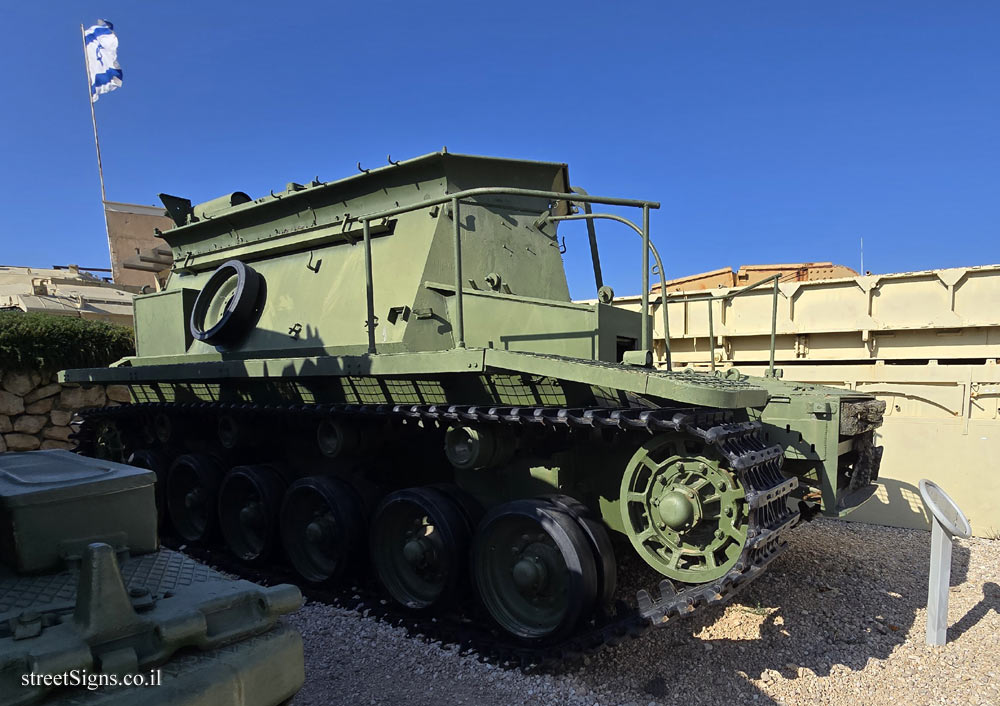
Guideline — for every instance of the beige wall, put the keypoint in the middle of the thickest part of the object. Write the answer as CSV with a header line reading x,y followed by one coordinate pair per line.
x,y
130,230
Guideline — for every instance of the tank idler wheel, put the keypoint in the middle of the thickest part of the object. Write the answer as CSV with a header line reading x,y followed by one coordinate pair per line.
x,y
158,463
534,570
600,544
190,492
419,547
686,514
249,502
323,529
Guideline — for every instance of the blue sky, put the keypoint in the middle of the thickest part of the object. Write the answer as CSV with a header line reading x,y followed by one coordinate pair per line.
x,y
770,131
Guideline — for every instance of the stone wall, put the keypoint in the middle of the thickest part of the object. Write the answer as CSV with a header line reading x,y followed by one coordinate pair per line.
x,y
36,410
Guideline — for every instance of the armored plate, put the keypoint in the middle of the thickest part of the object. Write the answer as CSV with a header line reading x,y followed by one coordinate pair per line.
x,y
686,388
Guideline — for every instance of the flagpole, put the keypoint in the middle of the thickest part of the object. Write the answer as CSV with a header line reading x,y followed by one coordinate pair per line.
x,y
97,143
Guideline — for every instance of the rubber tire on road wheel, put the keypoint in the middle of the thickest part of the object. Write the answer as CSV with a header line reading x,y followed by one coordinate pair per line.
x,y
249,501
600,544
398,523
495,569
191,492
323,528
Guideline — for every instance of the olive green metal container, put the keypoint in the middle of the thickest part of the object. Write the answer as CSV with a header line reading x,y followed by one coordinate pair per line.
x,y
54,503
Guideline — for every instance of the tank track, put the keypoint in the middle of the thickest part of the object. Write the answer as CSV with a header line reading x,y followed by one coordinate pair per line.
x,y
757,465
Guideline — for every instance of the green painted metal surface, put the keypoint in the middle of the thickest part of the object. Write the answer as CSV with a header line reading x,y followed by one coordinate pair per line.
x,y
87,598
306,240
238,674
54,503
686,509
811,423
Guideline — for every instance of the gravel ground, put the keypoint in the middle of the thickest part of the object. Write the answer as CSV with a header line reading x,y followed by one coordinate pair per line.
x,y
838,619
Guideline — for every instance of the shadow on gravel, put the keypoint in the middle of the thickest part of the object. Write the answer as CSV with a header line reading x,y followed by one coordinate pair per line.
x,y
990,601
842,594
852,601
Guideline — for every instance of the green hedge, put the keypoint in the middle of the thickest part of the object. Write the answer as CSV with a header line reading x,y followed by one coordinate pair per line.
x,y
50,343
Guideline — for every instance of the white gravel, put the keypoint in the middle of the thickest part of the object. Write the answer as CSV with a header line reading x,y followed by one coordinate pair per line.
x,y
838,619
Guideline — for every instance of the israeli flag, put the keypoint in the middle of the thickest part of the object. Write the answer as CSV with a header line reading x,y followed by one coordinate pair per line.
x,y
102,59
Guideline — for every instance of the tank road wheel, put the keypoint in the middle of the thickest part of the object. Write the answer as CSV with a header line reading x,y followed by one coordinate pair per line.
x,y
419,547
249,502
108,442
600,545
686,514
322,527
238,432
158,463
534,569
163,428
192,485
469,447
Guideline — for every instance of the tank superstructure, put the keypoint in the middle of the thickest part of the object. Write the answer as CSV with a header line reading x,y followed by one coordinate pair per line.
x,y
393,360
302,242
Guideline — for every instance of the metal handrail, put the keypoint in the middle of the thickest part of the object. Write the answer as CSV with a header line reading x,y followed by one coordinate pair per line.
x,y
698,297
503,191
590,217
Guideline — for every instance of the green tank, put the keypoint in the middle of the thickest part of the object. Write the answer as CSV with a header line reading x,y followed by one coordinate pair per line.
x,y
387,371
92,611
